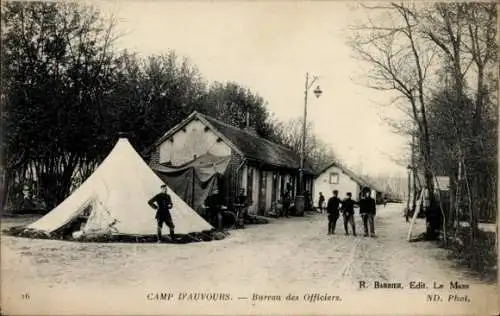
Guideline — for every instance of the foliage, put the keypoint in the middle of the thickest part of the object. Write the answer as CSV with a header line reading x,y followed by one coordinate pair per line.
x,y
151,95
56,65
231,103
67,94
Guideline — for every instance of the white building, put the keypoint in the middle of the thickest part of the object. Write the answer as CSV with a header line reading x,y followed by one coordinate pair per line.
x,y
337,177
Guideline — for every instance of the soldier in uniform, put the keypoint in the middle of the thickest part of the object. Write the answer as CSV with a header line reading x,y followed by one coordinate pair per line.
x,y
348,205
332,209
163,203
367,210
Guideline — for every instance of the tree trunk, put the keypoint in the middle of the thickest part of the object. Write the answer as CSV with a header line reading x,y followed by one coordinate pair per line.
x,y
433,212
408,212
414,175
5,184
451,212
476,205
477,148
415,191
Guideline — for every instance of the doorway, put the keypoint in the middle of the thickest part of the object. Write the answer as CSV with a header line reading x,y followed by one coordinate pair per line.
x,y
262,192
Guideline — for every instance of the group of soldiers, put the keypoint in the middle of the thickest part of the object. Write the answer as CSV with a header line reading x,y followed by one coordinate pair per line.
x,y
335,206
367,209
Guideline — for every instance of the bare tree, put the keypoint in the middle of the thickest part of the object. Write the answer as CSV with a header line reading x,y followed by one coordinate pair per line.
x,y
465,34
317,152
400,62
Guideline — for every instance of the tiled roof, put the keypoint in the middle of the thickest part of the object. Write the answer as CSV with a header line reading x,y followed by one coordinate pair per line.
x,y
257,148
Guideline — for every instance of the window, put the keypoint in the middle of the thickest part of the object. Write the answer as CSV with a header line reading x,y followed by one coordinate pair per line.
x,y
334,178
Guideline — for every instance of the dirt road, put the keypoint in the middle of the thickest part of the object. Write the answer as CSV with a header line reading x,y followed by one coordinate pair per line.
x,y
286,256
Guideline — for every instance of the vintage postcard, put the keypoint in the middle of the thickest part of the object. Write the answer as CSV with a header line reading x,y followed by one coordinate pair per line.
x,y
249,157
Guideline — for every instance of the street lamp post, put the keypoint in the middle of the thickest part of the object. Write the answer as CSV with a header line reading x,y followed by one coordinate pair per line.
x,y
300,198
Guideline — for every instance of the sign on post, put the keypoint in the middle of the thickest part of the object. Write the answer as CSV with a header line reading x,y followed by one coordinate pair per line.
x,y
442,182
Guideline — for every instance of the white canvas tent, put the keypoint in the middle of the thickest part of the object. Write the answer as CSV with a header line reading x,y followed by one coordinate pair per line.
x,y
117,193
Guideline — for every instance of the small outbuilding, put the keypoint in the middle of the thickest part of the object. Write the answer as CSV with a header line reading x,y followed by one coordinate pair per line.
x,y
338,177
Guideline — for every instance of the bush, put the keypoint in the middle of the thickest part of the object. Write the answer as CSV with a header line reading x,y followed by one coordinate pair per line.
x,y
479,256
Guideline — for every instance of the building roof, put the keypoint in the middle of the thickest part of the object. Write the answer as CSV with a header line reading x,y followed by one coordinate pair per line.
x,y
246,143
356,178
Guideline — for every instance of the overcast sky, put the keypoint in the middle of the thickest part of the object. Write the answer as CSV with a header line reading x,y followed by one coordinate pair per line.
x,y
268,47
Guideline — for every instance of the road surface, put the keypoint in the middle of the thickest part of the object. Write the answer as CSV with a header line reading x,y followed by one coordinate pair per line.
x,y
287,256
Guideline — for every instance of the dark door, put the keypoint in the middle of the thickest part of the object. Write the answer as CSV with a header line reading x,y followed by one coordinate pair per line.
x,y
283,186
275,188
262,192
250,184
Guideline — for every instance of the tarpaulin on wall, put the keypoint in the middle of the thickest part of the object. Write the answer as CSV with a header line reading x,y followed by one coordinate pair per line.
x,y
194,181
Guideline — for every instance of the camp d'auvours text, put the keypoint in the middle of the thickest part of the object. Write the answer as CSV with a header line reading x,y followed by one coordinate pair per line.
x,y
185,296
414,285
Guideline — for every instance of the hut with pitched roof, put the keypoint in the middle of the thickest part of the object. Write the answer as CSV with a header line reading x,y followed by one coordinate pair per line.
x,y
242,160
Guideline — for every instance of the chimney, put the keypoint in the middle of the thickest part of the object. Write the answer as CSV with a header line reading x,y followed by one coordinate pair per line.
x,y
248,128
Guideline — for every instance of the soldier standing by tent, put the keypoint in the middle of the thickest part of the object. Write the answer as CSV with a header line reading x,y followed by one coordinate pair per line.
x,y
333,212
163,206
368,209
348,213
